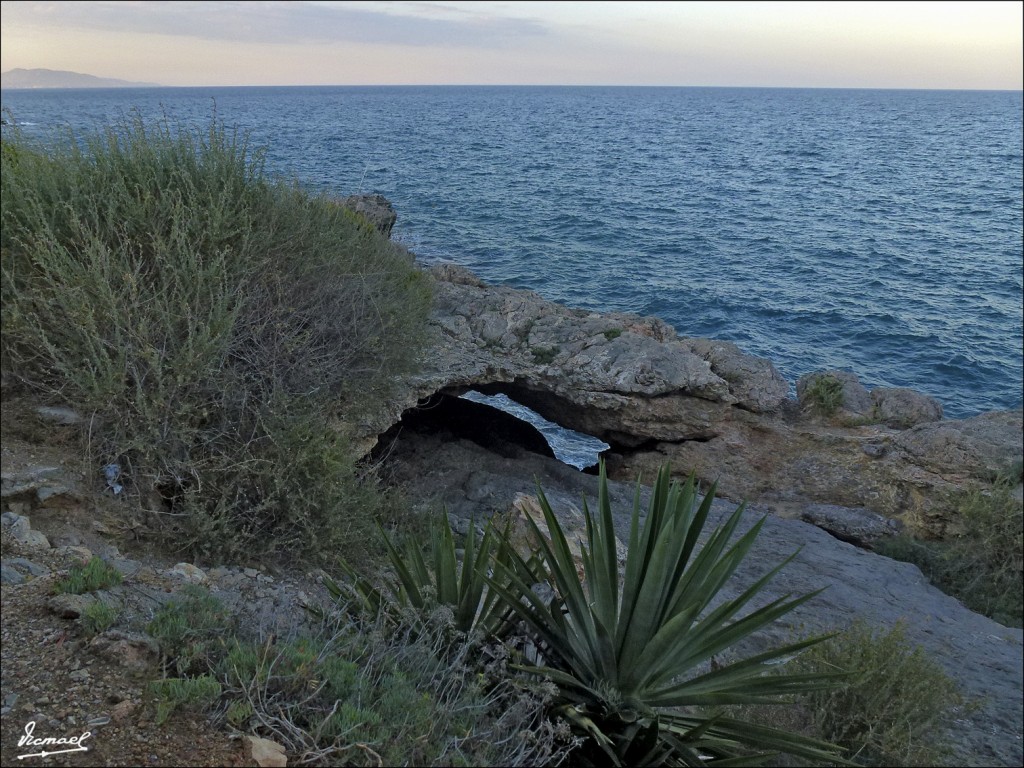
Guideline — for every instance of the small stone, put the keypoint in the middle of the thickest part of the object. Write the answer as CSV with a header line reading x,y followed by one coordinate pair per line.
x,y
77,552
123,710
24,564
69,606
874,450
99,527
79,675
136,652
188,572
64,417
9,575
252,573
266,753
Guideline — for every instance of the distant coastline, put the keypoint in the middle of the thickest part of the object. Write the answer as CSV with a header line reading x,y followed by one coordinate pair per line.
x,y
32,79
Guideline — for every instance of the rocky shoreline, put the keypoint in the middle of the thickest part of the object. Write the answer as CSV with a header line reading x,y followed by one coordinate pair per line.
x,y
885,459
706,407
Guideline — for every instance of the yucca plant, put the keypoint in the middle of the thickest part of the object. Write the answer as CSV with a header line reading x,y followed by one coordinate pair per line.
x,y
635,660
441,579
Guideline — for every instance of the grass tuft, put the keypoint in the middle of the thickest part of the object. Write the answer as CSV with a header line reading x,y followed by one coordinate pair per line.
x,y
93,575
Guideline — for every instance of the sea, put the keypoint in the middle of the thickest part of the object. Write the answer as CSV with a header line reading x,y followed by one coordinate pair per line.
x,y
877,232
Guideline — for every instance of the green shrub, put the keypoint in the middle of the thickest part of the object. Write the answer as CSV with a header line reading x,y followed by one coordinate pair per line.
x,y
98,617
612,333
981,564
825,394
894,708
190,630
441,579
197,693
222,327
93,575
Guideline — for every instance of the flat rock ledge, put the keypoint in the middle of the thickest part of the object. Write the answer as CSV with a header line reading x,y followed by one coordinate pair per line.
x,y
705,406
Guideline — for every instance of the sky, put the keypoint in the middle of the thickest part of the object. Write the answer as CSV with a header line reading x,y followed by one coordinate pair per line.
x,y
947,45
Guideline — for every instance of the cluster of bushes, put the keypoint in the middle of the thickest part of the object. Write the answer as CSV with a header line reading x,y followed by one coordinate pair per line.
x,y
357,691
220,328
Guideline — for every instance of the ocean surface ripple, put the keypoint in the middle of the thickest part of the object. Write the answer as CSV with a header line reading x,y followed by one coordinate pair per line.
x,y
878,232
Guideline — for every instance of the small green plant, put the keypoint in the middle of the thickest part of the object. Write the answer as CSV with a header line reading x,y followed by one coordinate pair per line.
x,y
544,355
825,394
93,575
895,706
190,630
98,617
239,713
196,693
612,333
440,579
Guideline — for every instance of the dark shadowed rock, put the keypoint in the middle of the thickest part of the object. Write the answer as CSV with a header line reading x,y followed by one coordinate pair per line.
x,y
452,418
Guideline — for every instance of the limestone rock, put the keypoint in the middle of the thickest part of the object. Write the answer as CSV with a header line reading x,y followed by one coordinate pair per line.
x,y
136,652
856,525
23,569
188,572
266,753
752,380
69,606
20,527
904,408
616,376
978,446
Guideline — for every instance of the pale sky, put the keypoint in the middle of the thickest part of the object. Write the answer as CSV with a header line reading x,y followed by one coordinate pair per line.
x,y
958,45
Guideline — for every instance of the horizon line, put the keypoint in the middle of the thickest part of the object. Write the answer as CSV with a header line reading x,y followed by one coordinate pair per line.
x,y
516,85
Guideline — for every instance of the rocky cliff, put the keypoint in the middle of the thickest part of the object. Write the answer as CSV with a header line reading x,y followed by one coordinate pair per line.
x,y
709,408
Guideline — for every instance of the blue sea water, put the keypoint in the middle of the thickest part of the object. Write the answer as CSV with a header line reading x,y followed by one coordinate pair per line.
x,y
874,231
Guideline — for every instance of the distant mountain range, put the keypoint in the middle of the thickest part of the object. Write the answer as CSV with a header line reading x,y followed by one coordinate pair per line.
x,y
50,78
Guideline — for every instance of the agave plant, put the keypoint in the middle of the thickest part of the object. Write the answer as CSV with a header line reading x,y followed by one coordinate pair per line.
x,y
635,657
441,579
